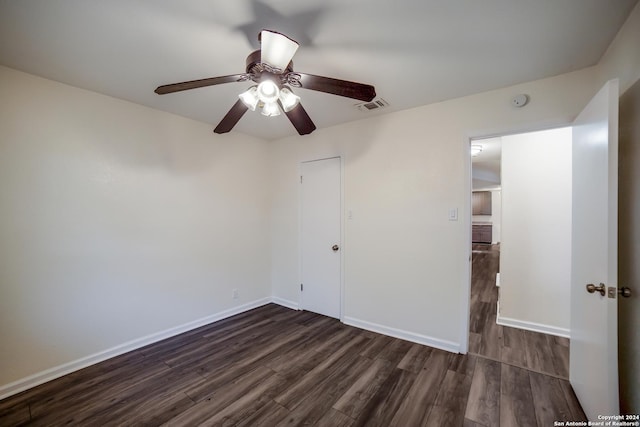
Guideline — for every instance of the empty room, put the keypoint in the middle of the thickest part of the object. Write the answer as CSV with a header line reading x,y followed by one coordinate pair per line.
x,y
259,213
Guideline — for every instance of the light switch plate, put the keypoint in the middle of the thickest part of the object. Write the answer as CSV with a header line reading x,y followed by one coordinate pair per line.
x,y
453,214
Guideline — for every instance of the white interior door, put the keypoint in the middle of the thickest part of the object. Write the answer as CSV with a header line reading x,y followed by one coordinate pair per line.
x,y
321,232
594,318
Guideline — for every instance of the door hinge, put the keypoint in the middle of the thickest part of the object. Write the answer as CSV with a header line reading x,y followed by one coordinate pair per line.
x,y
301,287
300,179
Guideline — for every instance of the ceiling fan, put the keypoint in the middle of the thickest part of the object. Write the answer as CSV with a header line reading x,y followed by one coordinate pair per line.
x,y
271,69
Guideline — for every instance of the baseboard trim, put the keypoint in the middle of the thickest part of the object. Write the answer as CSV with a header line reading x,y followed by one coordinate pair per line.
x,y
285,303
75,365
532,326
50,374
404,335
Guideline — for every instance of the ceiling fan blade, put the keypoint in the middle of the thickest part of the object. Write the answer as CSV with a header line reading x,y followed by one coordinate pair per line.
x,y
300,119
194,84
354,90
231,118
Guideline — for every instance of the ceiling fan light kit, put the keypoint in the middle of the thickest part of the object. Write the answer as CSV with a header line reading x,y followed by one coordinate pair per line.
x,y
270,109
266,96
272,71
288,99
250,98
268,91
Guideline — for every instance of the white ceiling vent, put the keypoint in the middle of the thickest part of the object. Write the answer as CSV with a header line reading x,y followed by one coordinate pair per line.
x,y
376,104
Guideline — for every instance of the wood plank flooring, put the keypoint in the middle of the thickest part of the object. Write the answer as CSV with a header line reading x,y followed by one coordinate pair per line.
x,y
536,352
277,367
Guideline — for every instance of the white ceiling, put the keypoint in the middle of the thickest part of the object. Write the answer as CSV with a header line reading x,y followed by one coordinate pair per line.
x,y
415,52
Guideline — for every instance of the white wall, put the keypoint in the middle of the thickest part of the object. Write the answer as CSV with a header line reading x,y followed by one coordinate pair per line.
x,y
406,265
496,215
535,255
117,222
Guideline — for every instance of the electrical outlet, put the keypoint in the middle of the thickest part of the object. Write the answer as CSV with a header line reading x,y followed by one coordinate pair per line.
x,y
235,294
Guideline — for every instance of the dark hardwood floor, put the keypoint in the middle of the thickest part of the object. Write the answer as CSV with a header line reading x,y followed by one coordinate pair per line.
x,y
277,367
541,353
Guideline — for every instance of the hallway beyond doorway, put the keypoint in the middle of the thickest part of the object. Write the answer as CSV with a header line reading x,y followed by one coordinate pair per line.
x,y
546,354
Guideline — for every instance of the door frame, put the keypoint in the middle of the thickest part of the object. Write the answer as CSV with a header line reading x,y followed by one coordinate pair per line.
x,y
467,140
342,230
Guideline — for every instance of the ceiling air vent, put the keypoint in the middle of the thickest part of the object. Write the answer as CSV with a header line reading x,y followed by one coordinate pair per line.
x,y
376,104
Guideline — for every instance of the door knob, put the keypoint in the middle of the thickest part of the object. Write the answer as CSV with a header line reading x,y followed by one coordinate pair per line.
x,y
335,248
624,292
591,288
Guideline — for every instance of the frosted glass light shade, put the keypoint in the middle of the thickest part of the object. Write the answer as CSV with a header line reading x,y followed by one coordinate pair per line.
x,y
288,99
250,98
268,91
276,49
271,109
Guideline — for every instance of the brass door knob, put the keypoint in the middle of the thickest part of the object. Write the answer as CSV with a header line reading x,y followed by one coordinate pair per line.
x,y
591,288
624,292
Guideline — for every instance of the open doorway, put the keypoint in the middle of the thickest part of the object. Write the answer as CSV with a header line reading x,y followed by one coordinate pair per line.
x,y
502,220
485,334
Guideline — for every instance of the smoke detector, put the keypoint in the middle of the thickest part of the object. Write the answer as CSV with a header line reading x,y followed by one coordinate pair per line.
x,y
520,100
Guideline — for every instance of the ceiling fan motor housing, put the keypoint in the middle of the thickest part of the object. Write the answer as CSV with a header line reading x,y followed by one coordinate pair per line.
x,y
256,67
